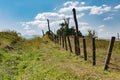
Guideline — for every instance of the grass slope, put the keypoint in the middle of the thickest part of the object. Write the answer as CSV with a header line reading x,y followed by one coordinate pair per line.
x,y
41,59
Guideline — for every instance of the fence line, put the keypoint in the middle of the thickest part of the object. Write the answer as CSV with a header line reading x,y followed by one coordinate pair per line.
x,y
63,42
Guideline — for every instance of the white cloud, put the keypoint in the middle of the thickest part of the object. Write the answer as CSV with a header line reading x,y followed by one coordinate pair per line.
x,y
40,21
57,16
30,31
27,27
107,18
93,9
82,3
48,15
66,9
83,8
117,7
100,28
71,3
83,24
80,15
78,8
84,27
100,10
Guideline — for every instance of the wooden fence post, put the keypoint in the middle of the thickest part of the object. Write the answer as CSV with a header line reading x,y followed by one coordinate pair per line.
x,y
109,53
65,43
43,32
93,51
84,47
77,36
62,41
67,35
69,43
58,40
75,44
48,25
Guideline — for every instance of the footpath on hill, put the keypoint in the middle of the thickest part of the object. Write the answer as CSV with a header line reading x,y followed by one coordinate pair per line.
x,y
42,59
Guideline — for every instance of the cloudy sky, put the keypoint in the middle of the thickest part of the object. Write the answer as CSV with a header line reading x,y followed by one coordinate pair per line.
x,y
29,16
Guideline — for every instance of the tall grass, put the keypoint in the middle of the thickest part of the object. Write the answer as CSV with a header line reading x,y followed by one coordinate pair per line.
x,y
42,59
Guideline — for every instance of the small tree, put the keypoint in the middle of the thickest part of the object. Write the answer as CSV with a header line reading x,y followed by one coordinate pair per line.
x,y
64,30
71,31
91,33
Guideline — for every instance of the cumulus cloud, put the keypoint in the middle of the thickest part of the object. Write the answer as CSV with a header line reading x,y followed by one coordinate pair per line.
x,y
117,7
69,9
49,15
84,27
107,18
93,9
26,26
100,10
66,9
57,16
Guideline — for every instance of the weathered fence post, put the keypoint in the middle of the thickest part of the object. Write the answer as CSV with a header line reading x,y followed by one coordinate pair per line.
x,y
93,52
65,43
84,47
67,33
77,36
48,25
60,40
109,53
75,44
43,32
69,43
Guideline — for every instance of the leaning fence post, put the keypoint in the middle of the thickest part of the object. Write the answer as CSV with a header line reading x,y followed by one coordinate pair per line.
x,y
77,36
109,53
93,51
84,47
43,32
69,43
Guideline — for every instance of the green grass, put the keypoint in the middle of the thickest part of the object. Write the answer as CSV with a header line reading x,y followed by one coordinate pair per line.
x,y
42,59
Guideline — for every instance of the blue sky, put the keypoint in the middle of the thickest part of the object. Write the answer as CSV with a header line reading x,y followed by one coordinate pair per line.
x,y
29,16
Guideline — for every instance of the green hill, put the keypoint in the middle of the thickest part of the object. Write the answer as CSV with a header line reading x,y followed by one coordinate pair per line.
x,y
42,59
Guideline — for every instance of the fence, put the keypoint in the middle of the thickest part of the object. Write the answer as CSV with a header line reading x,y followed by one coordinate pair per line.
x,y
90,45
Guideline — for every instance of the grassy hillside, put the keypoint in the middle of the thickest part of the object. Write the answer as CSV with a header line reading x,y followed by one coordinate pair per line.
x,y
42,59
